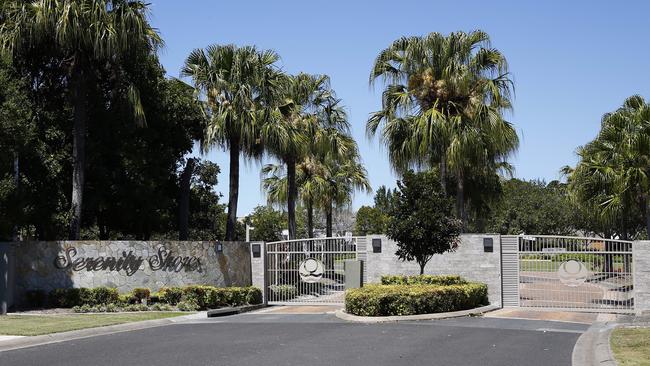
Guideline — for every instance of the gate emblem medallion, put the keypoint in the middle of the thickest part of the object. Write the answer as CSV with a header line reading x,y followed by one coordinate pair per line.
x,y
311,270
572,273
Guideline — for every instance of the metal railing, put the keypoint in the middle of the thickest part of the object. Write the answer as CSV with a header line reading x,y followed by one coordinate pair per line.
x,y
308,271
575,273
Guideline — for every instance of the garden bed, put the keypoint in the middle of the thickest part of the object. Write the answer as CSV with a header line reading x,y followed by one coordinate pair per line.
x,y
419,295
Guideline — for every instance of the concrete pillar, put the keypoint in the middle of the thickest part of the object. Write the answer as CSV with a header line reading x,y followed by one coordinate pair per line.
x,y
258,267
641,270
7,282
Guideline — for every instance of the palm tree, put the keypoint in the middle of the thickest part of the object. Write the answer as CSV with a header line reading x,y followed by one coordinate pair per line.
x,y
288,138
330,153
87,33
239,85
613,174
343,176
443,106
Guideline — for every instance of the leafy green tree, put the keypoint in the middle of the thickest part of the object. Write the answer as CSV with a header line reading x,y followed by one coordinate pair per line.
x,y
370,220
384,199
533,207
421,219
87,33
267,223
612,176
443,106
238,84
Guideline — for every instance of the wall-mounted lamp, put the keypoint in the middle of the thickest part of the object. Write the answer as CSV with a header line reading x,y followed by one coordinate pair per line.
x,y
376,245
488,245
219,248
257,250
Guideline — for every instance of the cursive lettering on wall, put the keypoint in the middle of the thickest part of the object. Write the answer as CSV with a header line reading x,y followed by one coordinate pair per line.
x,y
128,262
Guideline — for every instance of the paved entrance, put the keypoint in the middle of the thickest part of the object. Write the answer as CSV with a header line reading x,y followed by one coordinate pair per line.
x,y
317,340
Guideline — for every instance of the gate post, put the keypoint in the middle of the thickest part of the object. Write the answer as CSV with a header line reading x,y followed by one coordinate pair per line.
x,y
258,267
509,271
641,276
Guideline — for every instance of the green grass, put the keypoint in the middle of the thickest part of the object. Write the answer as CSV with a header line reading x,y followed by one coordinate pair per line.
x,y
31,325
631,346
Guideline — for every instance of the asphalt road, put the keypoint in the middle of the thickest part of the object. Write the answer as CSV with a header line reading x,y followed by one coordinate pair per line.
x,y
317,340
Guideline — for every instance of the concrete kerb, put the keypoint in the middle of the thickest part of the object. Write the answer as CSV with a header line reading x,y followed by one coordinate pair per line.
x,y
24,342
341,314
592,348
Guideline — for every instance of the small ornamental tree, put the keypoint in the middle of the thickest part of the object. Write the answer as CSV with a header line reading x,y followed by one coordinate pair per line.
x,y
421,219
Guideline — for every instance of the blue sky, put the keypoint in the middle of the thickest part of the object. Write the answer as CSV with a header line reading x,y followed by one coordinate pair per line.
x,y
571,62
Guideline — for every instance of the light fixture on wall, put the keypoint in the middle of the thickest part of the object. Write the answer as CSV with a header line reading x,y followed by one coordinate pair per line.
x,y
376,245
219,247
488,245
257,250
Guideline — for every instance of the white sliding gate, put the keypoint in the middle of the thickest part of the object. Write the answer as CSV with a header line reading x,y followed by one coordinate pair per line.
x,y
571,273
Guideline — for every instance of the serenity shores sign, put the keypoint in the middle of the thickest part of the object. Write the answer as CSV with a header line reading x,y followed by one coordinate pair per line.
x,y
163,260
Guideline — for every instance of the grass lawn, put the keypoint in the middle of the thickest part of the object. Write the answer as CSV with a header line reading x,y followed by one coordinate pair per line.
x,y
30,325
631,346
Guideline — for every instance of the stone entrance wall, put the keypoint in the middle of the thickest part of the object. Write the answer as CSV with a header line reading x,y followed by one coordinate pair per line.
x,y
129,264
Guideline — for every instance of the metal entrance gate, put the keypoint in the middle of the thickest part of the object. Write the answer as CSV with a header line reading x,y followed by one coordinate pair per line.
x,y
308,271
570,273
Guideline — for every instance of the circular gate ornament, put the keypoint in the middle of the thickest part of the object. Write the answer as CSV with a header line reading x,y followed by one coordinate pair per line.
x,y
311,270
572,273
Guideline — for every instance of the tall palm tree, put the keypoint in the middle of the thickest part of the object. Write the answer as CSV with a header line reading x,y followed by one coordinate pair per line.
x,y
288,138
239,84
613,174
87,33
443,105
343,176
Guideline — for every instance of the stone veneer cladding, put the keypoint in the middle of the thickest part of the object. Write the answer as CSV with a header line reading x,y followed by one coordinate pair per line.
x,y
35,269
469,261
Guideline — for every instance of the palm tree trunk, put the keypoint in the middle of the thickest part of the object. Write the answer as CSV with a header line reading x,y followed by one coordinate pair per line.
x,y
292,193
328,220
443,175
310,217
78,148
233,192
184,201
460,201
15,235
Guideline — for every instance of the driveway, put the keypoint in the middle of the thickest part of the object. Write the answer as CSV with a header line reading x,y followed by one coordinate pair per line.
x,y
317,339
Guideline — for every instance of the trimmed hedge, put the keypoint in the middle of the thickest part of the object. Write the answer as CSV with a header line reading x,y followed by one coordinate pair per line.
x,y
386,300
189,297
71,297
445,280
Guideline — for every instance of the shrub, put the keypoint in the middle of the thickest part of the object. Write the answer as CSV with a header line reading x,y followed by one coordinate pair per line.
x,y
35,298
254,296
444,280
170,295
283,292
196,294
189,305
385,300
104,295
141,294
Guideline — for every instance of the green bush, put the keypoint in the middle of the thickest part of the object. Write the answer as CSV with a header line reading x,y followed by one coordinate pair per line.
x,y
216,297
385,300
189,305
170,295
283,292
444,280
104,295
141,294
